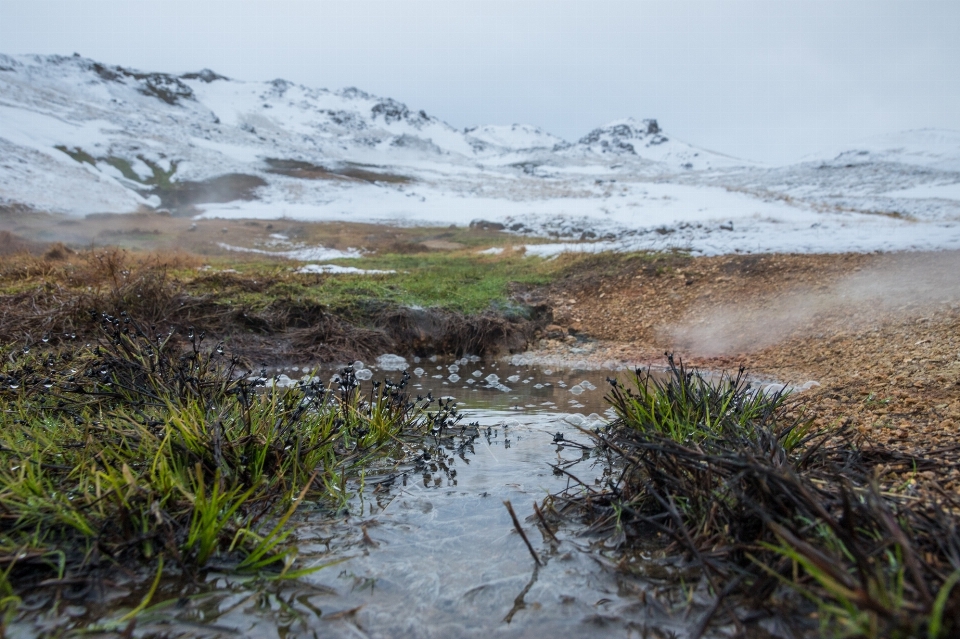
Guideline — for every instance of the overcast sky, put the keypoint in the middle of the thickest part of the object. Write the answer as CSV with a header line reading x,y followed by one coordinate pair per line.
x,y
768,80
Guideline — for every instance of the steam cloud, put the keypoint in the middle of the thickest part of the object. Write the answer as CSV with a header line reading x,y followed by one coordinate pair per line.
x,y
912,284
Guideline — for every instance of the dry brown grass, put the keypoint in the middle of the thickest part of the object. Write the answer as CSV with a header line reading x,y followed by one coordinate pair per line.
x,y
152,231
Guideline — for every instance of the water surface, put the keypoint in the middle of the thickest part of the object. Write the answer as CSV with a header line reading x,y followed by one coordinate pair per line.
x,y
430,550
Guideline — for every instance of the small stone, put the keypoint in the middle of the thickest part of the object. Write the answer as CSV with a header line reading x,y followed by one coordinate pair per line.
x,y
554,331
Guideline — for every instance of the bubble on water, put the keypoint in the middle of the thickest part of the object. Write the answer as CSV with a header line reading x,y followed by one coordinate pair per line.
x,y
453,368
281,381
418,371
358,365
574,419
433,358
416,360
587,385
547,371
470,381
513,378
538,386
363,374
492,378
454,378
390,362
576,389
476,373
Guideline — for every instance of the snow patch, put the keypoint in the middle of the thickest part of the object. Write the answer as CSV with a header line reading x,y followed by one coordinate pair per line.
x,y
339,270
305,253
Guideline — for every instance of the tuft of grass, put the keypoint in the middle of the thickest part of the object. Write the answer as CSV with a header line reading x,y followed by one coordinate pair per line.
x,y
688,409
770,509
132,452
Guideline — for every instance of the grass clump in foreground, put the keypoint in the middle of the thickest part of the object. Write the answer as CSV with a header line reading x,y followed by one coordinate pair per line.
x,y
129,453
773,513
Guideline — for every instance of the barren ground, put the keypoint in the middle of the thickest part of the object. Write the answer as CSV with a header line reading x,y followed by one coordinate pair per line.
x,y
879,333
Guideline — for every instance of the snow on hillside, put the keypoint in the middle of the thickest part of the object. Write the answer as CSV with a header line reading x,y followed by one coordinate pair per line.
x,y
79,137
514,137
928,148
646,140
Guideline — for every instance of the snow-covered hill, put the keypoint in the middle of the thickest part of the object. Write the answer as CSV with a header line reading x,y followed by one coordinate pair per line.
x,y
77,136
928,148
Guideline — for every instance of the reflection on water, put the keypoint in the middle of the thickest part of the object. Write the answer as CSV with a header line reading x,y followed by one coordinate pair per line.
x,y
429,550
438,555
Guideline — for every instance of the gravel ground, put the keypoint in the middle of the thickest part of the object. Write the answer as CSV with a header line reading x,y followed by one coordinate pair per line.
x,y
879,333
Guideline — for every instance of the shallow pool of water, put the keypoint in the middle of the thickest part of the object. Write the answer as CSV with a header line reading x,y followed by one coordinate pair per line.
x,y
430,550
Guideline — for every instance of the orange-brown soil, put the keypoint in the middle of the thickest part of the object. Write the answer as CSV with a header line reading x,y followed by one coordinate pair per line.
x,y
879,333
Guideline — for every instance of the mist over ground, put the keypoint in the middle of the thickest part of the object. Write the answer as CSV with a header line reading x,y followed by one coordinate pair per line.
x,y
902,284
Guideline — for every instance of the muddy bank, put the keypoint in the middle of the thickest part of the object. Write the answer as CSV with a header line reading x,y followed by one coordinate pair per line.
x,y
265,322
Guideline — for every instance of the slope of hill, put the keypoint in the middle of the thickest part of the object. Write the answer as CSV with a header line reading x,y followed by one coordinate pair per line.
x,y
80,137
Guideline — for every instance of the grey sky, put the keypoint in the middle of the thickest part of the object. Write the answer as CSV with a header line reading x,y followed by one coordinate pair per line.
x,y
763,79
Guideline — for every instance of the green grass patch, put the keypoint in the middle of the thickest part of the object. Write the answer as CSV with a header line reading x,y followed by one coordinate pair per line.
x,y
162,179
133,453
78,155
462,283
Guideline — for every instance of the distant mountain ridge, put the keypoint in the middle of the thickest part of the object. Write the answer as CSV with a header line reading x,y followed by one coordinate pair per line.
x,y
78,136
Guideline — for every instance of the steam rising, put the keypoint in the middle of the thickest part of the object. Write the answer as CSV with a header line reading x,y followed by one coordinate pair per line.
x,y
912,284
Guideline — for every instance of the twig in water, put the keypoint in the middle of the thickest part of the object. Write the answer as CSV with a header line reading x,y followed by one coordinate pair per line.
x,y
523,535
543,521
519,603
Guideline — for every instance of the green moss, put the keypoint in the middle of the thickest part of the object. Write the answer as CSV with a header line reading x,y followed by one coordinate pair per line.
x,y
78,154
124,167
161,179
